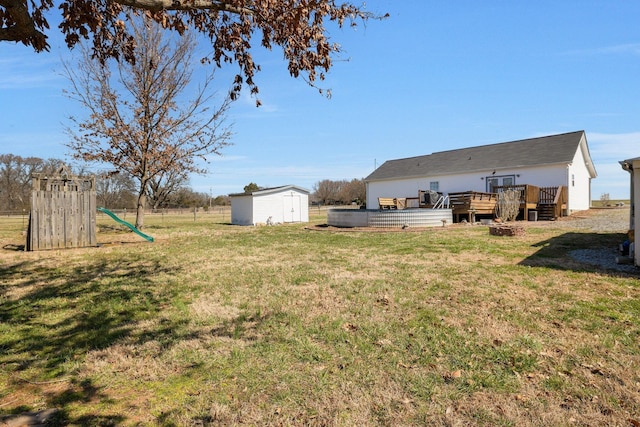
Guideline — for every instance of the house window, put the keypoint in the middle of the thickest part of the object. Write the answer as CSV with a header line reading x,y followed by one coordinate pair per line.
x,y
434,186
573,180
499,181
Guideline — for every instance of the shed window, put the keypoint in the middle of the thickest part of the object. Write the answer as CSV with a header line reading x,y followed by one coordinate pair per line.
x,y
434,186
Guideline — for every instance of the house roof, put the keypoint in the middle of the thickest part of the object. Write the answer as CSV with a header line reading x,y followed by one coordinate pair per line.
x,y
264,191
546,150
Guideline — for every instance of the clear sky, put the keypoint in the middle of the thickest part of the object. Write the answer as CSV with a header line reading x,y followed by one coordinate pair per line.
x,y
434,76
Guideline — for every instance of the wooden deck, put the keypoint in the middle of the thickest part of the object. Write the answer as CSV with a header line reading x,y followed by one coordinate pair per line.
x,y
549,202
471,203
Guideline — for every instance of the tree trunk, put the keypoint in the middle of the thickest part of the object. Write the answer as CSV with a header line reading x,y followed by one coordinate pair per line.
x,y
142,199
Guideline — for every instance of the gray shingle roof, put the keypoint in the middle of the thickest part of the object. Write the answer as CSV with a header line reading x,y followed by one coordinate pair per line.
x,y
546,150
272,190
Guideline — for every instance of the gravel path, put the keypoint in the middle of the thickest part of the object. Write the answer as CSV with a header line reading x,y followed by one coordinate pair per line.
x,y
614,220
598,221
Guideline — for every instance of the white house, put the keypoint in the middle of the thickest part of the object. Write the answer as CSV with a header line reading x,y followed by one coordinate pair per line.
x,y
549,161
270,206
633,166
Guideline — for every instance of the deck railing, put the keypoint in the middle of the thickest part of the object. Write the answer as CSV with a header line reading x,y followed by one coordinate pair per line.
x,y
554,196
528,193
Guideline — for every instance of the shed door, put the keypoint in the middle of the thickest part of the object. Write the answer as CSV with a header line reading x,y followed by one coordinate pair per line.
x,y
291,208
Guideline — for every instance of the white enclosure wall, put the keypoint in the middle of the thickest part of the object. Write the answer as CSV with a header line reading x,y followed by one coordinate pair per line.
x,y
242,210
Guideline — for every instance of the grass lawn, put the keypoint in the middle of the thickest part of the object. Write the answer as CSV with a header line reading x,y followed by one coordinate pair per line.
x,y
214,324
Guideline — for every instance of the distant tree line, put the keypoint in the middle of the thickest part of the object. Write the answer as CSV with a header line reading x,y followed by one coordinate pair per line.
x,y
329,192
114,190
342,192
15,179
117,190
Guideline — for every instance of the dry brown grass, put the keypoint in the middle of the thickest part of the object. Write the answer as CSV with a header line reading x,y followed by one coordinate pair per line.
x,y
220,325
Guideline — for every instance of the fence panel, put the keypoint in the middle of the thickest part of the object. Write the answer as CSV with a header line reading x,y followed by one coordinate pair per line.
x,y
63,213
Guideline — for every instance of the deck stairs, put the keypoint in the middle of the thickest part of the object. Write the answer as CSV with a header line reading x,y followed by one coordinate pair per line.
x,y
546,212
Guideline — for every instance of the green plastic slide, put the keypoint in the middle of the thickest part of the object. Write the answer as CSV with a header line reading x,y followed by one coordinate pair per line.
x,y
126,224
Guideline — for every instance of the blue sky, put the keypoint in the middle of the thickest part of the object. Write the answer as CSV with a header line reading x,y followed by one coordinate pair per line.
x,y
434,76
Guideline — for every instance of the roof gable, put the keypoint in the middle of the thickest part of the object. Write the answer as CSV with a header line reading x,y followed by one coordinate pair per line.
x,y
547,150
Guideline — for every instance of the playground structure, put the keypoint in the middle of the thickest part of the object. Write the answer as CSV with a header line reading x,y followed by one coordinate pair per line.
x,y
63,212
126,224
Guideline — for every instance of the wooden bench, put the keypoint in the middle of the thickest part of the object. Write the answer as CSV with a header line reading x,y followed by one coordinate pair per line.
x,y
387,203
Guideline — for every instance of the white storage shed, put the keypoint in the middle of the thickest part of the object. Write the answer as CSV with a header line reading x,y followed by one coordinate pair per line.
x,y
284,204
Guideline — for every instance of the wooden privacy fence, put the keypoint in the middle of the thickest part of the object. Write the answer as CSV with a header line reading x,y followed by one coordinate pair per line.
x,y
63,212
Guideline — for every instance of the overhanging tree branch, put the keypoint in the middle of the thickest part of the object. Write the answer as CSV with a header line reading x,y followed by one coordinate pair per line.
x,y
156,5
299,27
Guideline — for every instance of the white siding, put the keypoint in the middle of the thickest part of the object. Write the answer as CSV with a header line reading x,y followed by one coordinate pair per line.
x,y
242,210
304,208
265,206
579,184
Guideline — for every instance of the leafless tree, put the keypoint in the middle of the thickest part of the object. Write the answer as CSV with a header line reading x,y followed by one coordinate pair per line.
x,y
326,192
164,185
15,178
135,122
352,191
329,192
114,189
15,174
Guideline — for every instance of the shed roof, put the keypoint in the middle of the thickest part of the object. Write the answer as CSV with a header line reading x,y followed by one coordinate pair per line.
x,y
264,191
546,150
628,164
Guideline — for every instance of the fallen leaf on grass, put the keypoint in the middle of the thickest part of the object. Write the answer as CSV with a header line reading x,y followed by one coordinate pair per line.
x,y
384,300
450,376
349,327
